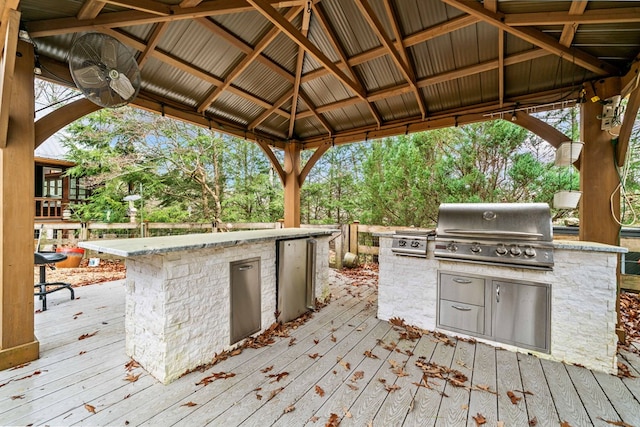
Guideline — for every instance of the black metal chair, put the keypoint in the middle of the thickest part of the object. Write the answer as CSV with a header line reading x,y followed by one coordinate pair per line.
x,y
44,259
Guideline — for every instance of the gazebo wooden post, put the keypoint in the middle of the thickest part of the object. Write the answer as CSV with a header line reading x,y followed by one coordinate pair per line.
x,y
598,175
17,341
292,184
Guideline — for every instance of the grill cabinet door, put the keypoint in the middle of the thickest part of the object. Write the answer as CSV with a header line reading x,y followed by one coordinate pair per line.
x,y
521,314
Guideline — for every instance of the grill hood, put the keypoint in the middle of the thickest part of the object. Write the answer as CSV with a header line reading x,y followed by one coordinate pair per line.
x,y
495,221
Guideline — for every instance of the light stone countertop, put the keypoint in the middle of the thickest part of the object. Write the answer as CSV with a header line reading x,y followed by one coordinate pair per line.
x,y
164,244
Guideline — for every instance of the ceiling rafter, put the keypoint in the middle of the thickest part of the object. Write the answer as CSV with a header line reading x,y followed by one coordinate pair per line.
x,y
397,35
152,43
243,46
90,9
596,16
569,30
52,27
188,68
306,18
344,60
147,6
438,78
492,5
317,115
534,36
272,109
190,3
246,62
294,34
411,40
407,73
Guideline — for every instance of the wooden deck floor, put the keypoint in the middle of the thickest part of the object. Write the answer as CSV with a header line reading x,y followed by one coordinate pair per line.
x,y
342,361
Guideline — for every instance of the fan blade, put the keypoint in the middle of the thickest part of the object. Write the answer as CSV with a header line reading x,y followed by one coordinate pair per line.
x,y
90,76
110,53
123,87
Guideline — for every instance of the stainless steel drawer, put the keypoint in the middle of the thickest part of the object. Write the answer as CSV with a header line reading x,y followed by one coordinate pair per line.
x,y
465,289
465,317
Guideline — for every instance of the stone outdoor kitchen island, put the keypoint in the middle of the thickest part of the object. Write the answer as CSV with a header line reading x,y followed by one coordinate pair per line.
x,y
179,296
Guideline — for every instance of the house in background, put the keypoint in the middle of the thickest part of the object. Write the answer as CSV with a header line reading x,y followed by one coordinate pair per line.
x,y
54,191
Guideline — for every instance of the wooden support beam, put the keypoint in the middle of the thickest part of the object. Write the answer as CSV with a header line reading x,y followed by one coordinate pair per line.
x,y
18,344
292,186
598,176
595,16
90,9
306,18
569,30
295,35
317,115
149,6
46,126
540,128
273,159
7,64
535,37
154,39
275,107
630,114
312,162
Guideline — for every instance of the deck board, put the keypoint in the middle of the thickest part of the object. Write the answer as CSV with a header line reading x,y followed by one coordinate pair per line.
x,y
539,403
92,371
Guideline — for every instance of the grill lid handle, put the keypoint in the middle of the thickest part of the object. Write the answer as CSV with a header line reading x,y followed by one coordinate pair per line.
x,y
462,232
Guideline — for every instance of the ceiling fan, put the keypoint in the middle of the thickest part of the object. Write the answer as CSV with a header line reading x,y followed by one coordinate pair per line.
x,y
104,69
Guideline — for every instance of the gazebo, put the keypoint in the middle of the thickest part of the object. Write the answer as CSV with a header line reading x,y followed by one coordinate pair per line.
x,y
309,74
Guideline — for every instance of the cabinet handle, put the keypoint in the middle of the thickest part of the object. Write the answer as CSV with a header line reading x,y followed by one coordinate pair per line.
x,y
464,281
457,307
497,293
245,267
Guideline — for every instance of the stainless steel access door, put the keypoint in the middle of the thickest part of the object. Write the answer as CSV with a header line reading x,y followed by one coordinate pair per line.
x,y
521,314
296,270
245,299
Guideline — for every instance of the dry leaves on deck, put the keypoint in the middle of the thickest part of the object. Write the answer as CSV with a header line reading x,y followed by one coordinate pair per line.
x,y
370,355
288,409
479,419
277,377
433,370
514,399
132,378
333,421
85,336
215,376
410,332
616,423
319,391
90,408
189,404
630,318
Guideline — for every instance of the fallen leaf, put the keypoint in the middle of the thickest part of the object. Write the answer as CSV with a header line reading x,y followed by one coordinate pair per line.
x,y
334,421
333,338
292,341
75,316
357,375
314,419
274,393
319,391
215,376
316,341
369,354
131,364
616,423
288,409
313,356
85,336
278,377
464,407
565,424
189,404
533,422
514,399
258,396
461,363
346,412
132,378
16,397
485,387
345,365
267,369
236,352
90,408
480,419
524,392
81,353
352,387
127,396
392,388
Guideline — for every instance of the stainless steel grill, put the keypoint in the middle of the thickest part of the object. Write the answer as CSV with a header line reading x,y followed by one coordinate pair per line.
x,y
511,234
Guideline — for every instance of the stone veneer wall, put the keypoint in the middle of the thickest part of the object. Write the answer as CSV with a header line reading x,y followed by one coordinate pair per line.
x,y
583,298
178,303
